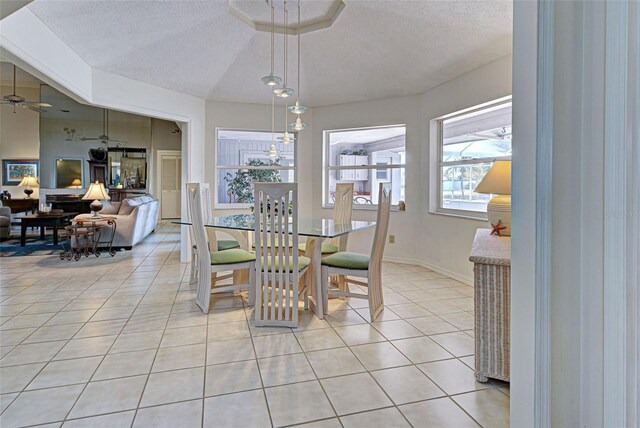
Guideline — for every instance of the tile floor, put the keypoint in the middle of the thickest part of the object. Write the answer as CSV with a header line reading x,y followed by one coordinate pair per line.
x,y
118,342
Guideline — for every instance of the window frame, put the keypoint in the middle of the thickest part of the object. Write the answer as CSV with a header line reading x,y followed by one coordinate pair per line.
x,y
326,167
241,206
436,135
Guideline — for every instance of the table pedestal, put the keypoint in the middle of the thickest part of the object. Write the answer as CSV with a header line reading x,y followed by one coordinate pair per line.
x,y
314,252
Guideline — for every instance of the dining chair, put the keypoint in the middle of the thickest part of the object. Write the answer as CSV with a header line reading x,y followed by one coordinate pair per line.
x,y
361,265
238,241
212,262
277,271
342,210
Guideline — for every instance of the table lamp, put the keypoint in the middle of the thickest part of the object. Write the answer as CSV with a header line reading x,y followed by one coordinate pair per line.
x,y
97,192
498,182
30,182
76,183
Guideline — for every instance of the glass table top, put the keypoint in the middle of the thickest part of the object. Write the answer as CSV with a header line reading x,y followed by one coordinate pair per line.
x,y
319,227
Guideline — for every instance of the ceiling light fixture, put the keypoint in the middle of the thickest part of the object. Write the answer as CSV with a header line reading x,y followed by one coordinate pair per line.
x,y
272,150
272,79
284,91
298,108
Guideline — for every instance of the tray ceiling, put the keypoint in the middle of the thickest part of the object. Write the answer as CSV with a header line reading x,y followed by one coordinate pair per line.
x,y
374,48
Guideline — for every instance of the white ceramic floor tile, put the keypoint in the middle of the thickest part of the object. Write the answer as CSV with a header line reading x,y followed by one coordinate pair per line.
x,y
398,329
438,413
227,351
298,403
109,396
232,377
421,350
86,347
334,362
452,376
66,372
32,353
113,420
278,344
359,334
16,378
125,364
41,406
354,393
184,415
459,343
136,342
169,387
383,418
285,369
432,325
179,357
489,407
375,356
244,409
406,384
314,340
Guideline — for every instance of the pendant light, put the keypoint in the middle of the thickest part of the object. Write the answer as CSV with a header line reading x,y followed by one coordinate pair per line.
x,y
272,79
286,137
284,91
298,108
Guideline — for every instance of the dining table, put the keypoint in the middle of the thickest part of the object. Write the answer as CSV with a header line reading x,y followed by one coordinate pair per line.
x,y
315,229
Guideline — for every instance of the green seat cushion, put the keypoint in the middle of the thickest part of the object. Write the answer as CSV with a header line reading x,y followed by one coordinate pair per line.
x,y
227,244
347,260
303,262
232,256
326,248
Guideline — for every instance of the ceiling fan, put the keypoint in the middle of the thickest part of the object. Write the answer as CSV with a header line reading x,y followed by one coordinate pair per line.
x,y
104,138
18,101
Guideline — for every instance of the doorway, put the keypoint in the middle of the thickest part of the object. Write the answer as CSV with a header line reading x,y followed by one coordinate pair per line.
x,y
170,180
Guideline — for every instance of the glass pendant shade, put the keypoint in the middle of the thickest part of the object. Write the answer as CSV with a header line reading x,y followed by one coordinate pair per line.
x,y
286,138
298,125
271,80
298,108
272,151
284,92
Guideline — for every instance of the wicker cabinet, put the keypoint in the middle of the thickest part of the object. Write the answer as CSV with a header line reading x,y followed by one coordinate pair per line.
x,y
491,256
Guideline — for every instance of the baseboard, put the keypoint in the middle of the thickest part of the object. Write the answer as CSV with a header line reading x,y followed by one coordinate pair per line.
x,y
435,268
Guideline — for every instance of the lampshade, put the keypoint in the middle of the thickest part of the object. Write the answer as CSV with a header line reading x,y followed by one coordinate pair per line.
x,y
271,80
298,108
284,92
498,180
77,183
286,138
96,192
272,151
298,125
29,181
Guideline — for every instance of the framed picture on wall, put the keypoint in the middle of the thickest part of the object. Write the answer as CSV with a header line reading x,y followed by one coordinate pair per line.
x,y
14,170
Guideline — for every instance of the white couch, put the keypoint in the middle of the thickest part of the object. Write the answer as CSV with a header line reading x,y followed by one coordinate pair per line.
x,y
135,219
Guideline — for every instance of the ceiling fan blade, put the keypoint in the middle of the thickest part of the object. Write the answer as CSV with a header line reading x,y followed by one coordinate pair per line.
x,y
36,109
38,104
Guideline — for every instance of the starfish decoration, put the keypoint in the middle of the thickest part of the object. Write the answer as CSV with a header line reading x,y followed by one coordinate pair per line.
x,y
497,228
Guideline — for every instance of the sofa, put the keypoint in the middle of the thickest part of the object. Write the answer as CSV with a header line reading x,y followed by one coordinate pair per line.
x,y
135,219
5,222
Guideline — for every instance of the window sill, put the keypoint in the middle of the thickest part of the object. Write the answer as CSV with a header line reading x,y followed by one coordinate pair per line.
x,y
394,208
482,217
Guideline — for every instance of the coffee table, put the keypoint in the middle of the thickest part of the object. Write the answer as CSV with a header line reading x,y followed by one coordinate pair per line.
x,y
54,221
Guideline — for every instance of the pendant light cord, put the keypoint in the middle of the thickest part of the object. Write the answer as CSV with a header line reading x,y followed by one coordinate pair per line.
x,y
298,50
286,42
273,37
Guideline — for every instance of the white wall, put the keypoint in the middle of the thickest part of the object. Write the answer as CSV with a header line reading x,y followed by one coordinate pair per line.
x,y
436,241
19,135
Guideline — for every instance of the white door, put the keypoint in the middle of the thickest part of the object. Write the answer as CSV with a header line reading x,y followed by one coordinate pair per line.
x,y
170,185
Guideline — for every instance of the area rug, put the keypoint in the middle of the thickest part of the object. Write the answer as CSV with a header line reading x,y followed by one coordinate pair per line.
x,y
35,247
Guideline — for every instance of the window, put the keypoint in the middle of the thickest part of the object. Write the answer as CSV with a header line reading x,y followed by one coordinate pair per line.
x,y
468,143
245,157
365,157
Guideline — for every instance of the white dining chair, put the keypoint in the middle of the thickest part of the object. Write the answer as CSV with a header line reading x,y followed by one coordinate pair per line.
x,y
212,262
361,265
238,241
278,271
342,210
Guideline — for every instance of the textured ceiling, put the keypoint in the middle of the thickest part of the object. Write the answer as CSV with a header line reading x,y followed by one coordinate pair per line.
x,y
375,48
